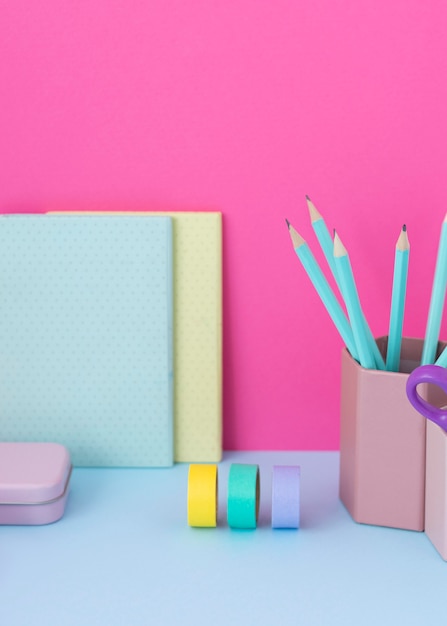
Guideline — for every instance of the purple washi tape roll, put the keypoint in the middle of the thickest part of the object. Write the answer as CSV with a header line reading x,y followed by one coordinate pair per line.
x,y
286,496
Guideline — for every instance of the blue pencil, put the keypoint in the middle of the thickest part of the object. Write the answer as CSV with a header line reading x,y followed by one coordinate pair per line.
x,y
436,301
324,237
398,301
323,289
327,245
360,328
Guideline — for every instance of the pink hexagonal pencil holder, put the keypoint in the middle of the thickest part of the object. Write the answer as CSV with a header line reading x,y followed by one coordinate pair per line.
x,y
382,443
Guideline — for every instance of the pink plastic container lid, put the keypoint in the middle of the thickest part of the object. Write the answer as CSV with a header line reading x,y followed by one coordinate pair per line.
x,y
34,482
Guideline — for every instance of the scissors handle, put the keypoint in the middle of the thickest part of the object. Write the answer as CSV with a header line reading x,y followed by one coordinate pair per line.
x,y
435,375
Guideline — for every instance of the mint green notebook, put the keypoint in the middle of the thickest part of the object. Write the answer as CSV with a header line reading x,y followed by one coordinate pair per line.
x,y
86,336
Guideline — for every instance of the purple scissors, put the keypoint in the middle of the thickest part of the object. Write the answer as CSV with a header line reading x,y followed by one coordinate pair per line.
x,y
436,375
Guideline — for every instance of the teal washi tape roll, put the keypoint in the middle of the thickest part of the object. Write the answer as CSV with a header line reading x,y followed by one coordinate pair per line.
x,y
243,496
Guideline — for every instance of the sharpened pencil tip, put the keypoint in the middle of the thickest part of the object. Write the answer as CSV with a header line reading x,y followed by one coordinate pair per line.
x,y
313,212
296,237
402,242
339,249
288,223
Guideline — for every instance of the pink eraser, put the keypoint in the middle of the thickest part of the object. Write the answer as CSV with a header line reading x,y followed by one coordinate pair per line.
x,y
34,482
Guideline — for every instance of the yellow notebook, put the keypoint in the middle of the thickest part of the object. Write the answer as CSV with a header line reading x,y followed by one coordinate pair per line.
x,y
197,247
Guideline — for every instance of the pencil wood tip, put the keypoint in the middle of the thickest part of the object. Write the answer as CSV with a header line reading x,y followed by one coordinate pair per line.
x,y
297,240
314,214
339,249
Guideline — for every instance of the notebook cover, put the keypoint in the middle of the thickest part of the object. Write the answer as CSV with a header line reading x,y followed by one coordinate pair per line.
x,y
197,333
86,336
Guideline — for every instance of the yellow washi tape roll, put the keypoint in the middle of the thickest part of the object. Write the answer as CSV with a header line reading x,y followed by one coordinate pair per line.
x,y
202,495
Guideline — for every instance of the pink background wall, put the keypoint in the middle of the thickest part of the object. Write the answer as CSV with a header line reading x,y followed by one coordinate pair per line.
x,y
244,107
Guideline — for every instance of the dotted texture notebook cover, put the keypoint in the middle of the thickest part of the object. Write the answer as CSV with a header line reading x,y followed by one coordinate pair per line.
x,y
197,334
86,336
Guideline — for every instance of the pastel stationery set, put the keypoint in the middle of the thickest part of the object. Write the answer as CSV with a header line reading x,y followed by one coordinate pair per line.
x,y
243,496
86,338
392,462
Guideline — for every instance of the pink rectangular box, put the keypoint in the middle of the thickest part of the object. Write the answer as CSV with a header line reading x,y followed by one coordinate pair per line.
x,y
436,487
382,443
34,482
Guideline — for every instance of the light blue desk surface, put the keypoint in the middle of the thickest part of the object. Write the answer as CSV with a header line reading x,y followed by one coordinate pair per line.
x,y
124,554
